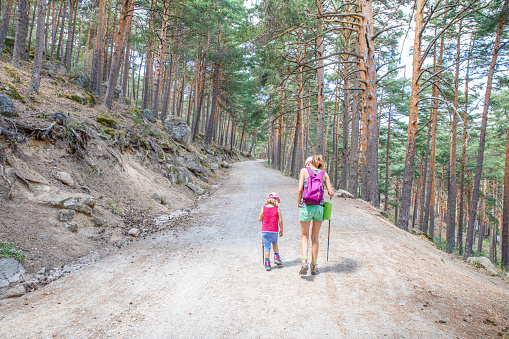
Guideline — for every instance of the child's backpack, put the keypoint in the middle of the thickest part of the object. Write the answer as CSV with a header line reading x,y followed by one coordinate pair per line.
x,y
313,191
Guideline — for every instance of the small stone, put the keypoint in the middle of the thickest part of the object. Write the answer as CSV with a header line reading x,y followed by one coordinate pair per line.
x,y
71,227
148,115
65,178
195,188
78,207
7,106
66,215
344,194
161,197
98,222
224,164
177,129
42,271
10,271
483,262
13,292
134,232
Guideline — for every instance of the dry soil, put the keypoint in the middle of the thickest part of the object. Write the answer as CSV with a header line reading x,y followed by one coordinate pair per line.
x,y
205,278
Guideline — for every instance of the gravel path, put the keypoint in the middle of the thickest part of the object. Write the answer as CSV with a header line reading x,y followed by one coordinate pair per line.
x,y
206,279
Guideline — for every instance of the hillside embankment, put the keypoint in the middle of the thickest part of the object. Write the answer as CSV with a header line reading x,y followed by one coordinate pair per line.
x,y
79,181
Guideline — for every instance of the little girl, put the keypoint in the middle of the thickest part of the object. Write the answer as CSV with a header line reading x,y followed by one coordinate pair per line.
x,y
271,218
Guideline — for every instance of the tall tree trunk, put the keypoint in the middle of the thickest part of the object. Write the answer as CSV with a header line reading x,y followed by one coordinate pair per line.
x,y
54,27
182,87
412,120
35,80
61,35
354,144
123,27
32,24
213,110
482,137
5,24
147,77
71,23
387,158
199,95
95,76
320,73
175,89
297,139
167,86
371,108
344,150
451,197
461,215
77,58
424,173
504,228
127,60
430,202
20,40
158,74
416,196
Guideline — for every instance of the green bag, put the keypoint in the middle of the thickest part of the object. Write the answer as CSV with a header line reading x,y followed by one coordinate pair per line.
x,y
327,209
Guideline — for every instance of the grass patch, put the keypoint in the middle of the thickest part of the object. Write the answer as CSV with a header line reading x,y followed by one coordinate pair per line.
x,y
9,251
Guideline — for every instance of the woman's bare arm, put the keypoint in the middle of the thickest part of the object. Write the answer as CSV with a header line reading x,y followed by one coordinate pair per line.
x,y
303,171
328,185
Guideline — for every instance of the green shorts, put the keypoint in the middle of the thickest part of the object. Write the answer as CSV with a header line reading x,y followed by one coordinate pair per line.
x,y
311,212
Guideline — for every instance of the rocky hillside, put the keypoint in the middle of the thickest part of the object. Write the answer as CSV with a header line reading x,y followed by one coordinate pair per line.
x,y
78,181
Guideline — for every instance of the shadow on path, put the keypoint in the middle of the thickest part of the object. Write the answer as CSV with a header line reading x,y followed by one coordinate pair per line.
x,y
344,266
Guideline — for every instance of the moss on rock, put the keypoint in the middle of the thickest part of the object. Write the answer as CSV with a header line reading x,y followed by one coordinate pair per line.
x,y
107,122
77,97
11,91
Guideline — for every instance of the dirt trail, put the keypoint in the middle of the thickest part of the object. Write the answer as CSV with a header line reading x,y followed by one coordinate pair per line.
x,y
206,279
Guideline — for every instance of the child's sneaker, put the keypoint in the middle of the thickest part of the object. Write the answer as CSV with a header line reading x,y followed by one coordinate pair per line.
x,y
267,265
304,268
314,270
277,260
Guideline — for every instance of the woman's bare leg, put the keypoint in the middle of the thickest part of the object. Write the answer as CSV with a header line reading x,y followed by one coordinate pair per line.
x,y
304,228
315,232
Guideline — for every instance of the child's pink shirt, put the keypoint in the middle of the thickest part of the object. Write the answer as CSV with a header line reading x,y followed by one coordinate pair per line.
x,y
270,219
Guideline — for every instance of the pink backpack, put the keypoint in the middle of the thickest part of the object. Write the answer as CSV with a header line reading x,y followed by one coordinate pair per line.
x,y
313,191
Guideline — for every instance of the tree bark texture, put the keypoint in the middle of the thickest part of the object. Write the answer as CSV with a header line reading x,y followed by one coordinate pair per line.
x,y
461,215
61,35
95,76
451,197
371,108
123,27
20,39
504,229
35,79
5,24
320,73
482,137
412,120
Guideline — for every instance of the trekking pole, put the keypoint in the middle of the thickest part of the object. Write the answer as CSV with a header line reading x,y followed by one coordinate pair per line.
x,y
263,250
328,236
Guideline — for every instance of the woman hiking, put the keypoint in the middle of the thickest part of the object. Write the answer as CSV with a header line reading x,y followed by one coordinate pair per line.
x,y
312,180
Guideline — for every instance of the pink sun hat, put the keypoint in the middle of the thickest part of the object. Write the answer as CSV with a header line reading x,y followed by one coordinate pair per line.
x,y
273,195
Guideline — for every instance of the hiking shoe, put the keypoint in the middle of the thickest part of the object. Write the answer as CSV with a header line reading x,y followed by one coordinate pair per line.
x,y
304,268
277,260
314,270
267,266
